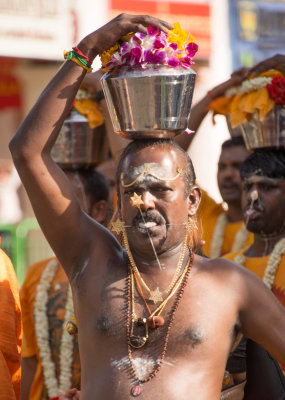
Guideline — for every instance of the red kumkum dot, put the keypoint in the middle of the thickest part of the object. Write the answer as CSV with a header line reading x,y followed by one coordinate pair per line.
x,y
136,390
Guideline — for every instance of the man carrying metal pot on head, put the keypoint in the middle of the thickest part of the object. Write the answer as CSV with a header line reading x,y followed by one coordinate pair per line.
x,y
154,319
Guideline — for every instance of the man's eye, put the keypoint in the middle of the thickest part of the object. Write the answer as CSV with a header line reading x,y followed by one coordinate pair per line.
x,y
162,189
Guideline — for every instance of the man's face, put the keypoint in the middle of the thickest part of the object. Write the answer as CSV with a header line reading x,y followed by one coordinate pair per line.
x,y
165,207
263,204
228,176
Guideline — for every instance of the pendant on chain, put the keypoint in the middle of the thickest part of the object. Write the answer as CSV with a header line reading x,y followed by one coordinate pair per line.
x,y
136,390
137,341
155,296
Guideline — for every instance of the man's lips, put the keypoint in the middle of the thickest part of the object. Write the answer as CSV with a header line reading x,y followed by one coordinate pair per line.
x,y
148,224
230,187
252,213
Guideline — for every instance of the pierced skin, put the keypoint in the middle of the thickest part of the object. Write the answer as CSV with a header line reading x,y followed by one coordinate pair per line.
x,y
219,293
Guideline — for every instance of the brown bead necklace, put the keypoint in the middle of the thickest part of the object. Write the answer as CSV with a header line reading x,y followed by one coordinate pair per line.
x,y
136,390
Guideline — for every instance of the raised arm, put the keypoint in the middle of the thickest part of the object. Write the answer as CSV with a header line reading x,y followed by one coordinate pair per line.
x,y
274,62
200,109
66,227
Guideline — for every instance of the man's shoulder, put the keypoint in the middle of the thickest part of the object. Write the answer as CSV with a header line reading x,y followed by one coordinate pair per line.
x,y
216,265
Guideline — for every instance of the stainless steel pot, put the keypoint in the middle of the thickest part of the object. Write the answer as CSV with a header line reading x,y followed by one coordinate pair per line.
x,y
267,133
79,146
153,102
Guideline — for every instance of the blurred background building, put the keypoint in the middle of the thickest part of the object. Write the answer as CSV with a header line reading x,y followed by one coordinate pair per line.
x,y
34,34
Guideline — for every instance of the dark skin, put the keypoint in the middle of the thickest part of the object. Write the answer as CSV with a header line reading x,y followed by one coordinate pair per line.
x,y
202,334
98,211
229,181
265,216
275,62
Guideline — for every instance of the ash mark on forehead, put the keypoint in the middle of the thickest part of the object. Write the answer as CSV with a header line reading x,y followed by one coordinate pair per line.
x,y
162,170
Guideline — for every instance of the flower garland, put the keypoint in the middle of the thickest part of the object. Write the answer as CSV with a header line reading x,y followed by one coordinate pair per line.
x,y
249,86
42,335
174,48
272,263
218,237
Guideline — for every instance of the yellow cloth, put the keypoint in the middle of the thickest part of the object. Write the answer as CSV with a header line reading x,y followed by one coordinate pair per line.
x,y
57,296
257,265
208,212
10,331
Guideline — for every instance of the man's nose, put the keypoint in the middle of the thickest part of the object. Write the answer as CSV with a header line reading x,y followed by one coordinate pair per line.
x,y
228,172
148,200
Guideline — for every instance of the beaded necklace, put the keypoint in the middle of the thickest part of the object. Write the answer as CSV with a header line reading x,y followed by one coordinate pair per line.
x,y
136,390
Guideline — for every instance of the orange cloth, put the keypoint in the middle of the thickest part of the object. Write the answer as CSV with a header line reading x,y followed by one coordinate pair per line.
x,y
257,265
10,331
208,212
57,296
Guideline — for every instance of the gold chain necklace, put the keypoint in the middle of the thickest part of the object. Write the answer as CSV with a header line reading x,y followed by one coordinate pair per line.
x,y
136,390
156,295
139,341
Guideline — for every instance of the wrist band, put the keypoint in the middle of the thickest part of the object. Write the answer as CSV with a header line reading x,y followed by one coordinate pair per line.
x,y
79,60
79,52
210,95
99,95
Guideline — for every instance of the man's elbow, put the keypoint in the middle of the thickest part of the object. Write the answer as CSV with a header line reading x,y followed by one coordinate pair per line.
x,y
19,152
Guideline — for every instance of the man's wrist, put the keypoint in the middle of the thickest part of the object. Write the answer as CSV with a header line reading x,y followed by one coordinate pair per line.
x,y
89,51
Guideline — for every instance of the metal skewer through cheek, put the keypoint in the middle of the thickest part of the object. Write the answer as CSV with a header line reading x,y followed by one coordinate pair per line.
x,y
136,201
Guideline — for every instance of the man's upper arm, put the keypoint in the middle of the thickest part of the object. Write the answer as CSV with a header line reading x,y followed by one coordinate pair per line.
x,y
262,316
66,227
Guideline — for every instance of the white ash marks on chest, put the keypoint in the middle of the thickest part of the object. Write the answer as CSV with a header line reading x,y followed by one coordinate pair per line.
x,y
143,365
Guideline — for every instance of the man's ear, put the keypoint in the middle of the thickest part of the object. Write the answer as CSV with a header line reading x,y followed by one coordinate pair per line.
x,y
194,198
99,211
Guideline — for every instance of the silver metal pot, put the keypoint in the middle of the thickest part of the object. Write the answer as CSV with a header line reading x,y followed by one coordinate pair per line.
x,y
267,133
79,146
154,102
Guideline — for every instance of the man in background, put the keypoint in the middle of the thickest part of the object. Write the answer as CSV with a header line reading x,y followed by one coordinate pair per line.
x,y
47,280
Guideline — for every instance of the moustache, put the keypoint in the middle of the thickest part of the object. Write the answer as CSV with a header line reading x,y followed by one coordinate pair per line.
x,y
149,216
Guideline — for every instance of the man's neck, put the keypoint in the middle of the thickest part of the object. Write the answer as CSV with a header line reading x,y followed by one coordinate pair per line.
x,y
147,262
263,244
234,213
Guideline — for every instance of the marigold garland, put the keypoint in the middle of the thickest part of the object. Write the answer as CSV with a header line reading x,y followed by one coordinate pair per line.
x,y
42,335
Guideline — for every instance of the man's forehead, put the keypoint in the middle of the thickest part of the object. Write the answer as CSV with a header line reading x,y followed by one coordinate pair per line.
x,y
167,158
254,178
234,153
